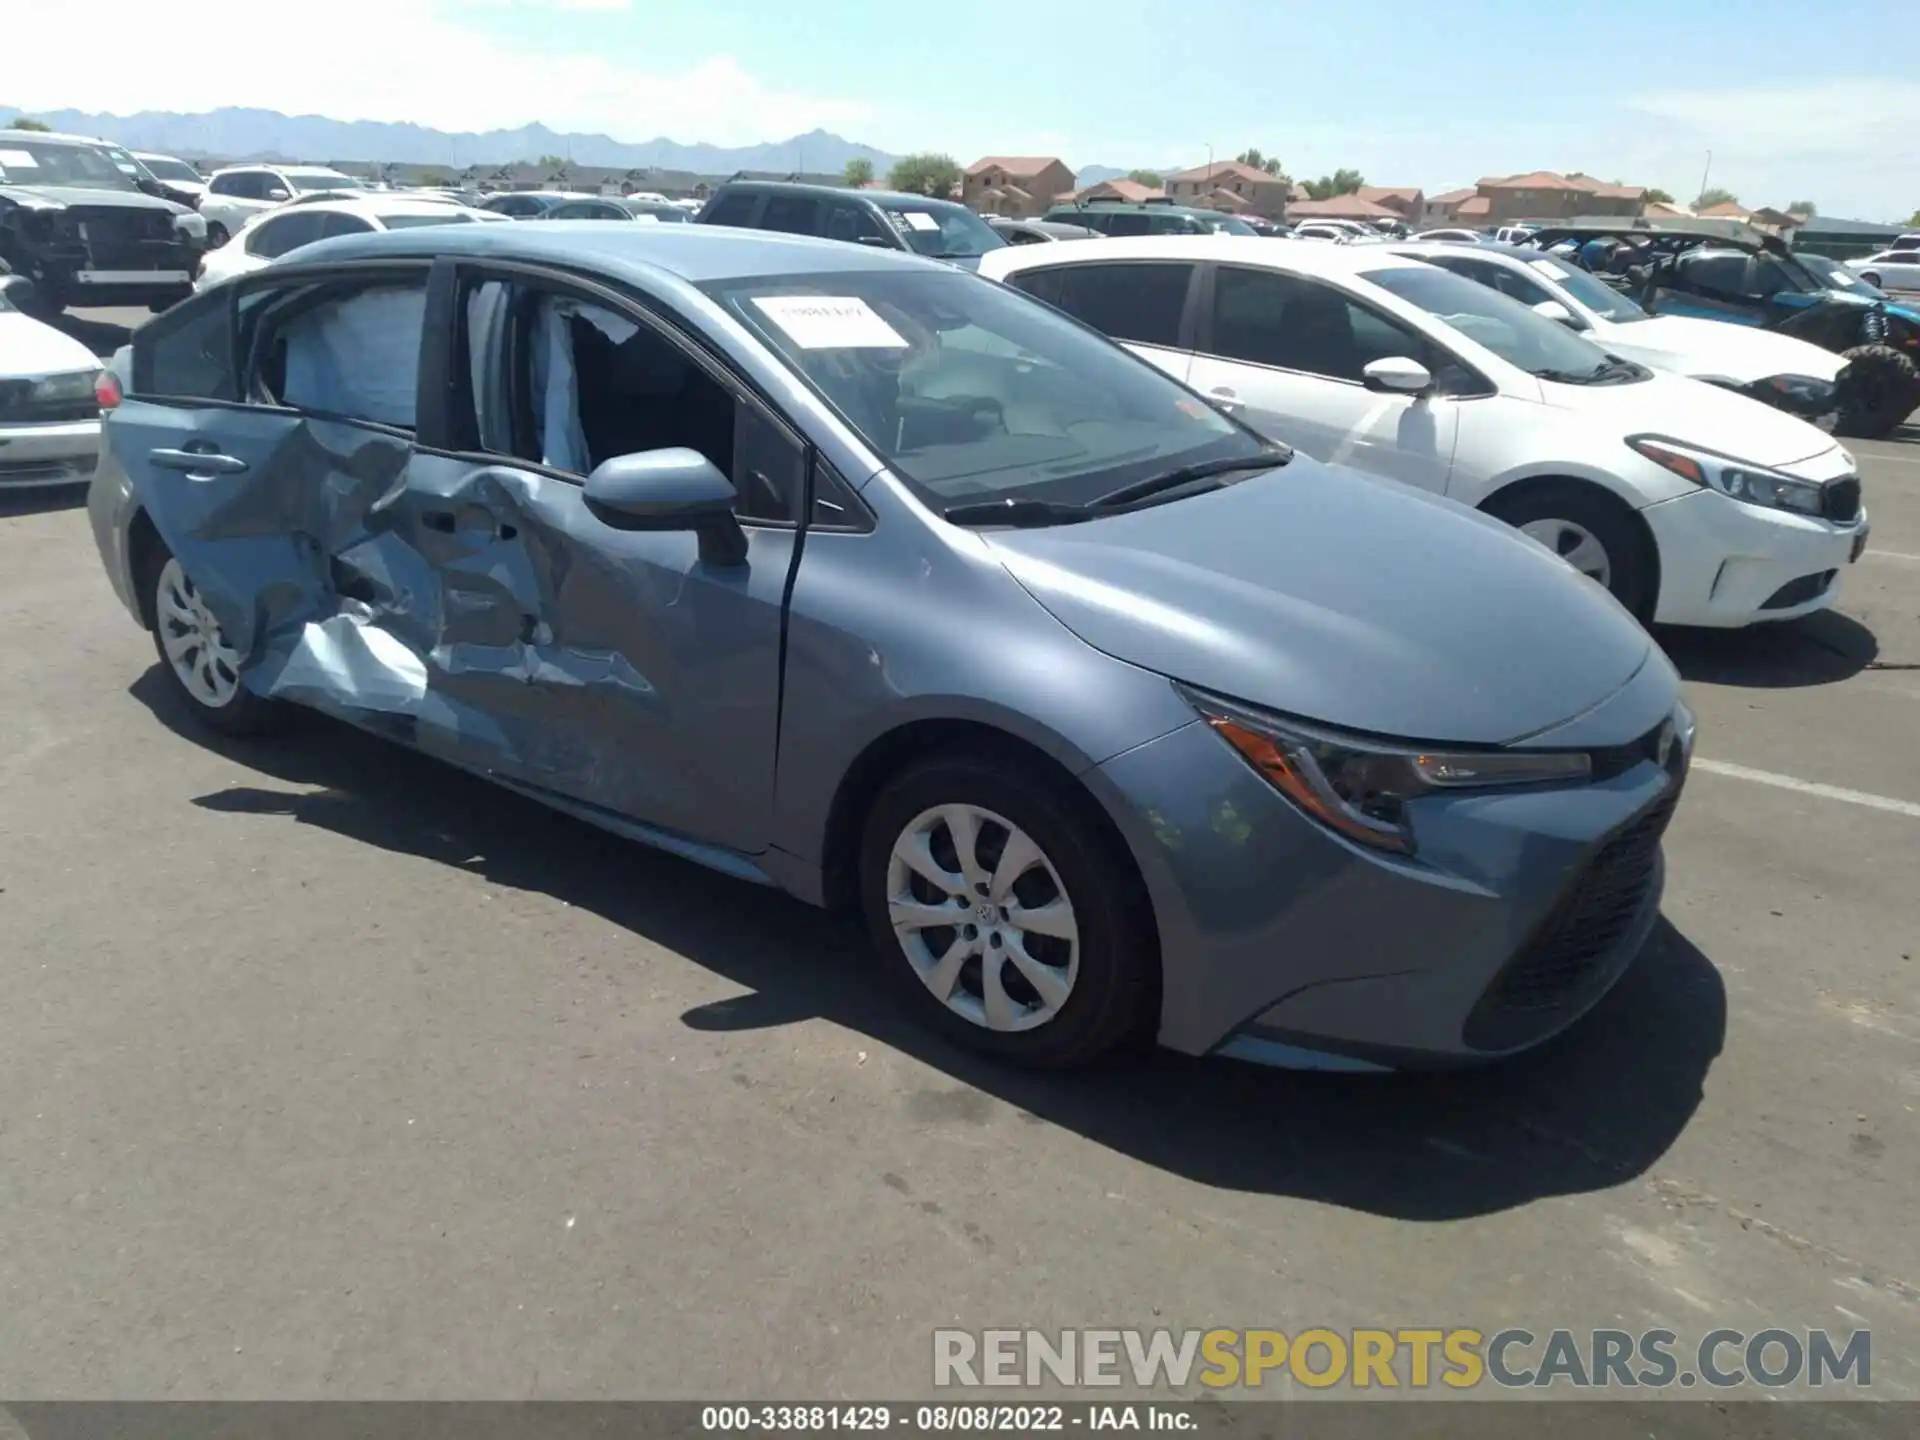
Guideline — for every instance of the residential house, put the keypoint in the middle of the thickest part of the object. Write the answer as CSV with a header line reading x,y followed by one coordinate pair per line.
x,y
1404,201
1015,185
1340,207
1726,210
1128,192
1535,195
1233,187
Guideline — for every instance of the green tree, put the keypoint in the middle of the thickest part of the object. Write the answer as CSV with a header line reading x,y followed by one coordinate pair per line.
x,y
925,174
1259,161
23,123
1805,209
1657,196
1341,182
551,162
859,172
1713,196
1914,219
1150,178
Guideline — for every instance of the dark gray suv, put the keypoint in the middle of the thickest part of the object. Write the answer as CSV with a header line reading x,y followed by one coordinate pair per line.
x,y
885,219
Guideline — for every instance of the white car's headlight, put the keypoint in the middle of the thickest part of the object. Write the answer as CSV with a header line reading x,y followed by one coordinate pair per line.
x,y
73,385
1360,786
192,224
1737,479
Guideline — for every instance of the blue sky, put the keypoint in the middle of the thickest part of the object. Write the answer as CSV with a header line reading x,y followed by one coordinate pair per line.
x,y
1796,101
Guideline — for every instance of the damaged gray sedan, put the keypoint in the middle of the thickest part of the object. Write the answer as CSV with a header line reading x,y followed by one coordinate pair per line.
x,y
846,572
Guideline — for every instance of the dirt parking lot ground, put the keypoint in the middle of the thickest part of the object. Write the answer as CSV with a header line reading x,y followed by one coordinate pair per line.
x,y
330,1072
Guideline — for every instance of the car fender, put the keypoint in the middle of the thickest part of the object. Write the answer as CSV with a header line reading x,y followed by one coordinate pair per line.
x,y
1521,441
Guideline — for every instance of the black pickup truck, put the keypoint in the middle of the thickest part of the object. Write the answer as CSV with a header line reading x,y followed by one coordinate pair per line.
x,y
84,233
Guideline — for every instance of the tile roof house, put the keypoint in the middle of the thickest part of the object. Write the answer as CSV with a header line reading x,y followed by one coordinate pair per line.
x,y
1534,195
1231,186
1404,201
1340,207
1017,185
1726,210
1131,192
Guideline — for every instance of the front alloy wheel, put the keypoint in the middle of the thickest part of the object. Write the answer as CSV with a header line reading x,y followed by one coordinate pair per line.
x,y
203,666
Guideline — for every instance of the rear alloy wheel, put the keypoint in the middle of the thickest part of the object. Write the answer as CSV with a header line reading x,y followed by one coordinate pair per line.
x,y
1003,914
1588,531
204,668
1879,389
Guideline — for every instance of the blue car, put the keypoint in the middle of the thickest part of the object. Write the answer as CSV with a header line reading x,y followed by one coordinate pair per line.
x,y
849,573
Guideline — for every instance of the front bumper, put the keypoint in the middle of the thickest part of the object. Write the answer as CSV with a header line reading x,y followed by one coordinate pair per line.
x,y
1725,564
1281,942
61,453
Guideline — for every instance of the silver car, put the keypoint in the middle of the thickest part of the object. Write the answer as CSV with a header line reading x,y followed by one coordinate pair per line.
x,y
846,572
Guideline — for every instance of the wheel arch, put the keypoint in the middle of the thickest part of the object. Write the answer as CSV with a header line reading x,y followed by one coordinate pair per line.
x,y
145,552
1518,488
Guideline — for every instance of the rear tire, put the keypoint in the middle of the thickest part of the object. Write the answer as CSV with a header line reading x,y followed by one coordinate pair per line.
x,y
1879,389
203,671
1591,531
1050,960
216,235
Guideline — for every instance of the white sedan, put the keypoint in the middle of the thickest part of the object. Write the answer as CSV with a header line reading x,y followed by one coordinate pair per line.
x,y
49,418
1691,504
1889,270
1789,374
266,237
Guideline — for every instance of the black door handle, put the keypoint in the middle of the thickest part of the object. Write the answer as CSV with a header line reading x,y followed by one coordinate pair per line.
x,y
203,462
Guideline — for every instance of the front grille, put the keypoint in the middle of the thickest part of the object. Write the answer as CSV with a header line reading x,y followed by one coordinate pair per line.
x,y
1840,501
1615,760
18,407
120,225
1799,592
1579,935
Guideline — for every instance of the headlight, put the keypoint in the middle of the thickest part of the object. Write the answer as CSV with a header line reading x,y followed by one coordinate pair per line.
x,y
75,385
192,224
1753,484
1360,786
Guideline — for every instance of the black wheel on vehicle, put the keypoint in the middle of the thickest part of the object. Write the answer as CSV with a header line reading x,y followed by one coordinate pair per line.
x,y
1588,529
1879,389
1872,277
216,235
1006,915
195,657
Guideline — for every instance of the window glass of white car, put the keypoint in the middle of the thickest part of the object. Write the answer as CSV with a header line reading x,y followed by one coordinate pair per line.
x,y
307,184
1141,301
275,237
1286,322
1509,329
970,392
1598,296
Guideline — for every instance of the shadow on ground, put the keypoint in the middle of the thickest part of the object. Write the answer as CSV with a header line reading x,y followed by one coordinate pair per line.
x,y
1587,1111
42,500
1819,649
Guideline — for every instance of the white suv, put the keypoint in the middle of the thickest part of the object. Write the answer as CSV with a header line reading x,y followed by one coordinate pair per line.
x,y
238,193
1693,505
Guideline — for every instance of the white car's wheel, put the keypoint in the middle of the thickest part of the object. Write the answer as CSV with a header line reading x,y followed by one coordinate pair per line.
x,y
1591,531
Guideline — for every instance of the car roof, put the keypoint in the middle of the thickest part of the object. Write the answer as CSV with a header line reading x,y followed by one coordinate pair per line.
x,y
842,192
156,155
378,204
695,254
59,137
1521,253
1260,250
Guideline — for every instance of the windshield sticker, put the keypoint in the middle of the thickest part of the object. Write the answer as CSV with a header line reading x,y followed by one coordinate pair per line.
x,y
830,322
1548,269
919,220
18,160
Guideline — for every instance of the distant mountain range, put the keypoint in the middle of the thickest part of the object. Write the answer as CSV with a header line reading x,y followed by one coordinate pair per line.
x,y
237,134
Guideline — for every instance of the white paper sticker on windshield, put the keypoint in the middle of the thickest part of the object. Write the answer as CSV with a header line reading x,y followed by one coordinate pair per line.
x,y
920,220
830,322
18,160
1548,269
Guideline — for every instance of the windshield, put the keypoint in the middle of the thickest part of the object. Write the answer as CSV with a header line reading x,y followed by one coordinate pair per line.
x,y
972,392
413,221
1836,276
1509,329
933,227
172,170
87,167
307,184
1598,296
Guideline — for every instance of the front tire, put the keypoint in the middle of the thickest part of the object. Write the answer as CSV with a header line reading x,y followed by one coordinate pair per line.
x,y
203,670
1591,532
1004,913
1879,389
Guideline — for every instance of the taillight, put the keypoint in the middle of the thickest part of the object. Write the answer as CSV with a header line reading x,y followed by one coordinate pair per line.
x,y
106,389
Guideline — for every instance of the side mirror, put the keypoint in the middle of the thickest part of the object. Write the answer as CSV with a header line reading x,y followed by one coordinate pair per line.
x,y
1397,375
19,291
1553,310
674,489
278,194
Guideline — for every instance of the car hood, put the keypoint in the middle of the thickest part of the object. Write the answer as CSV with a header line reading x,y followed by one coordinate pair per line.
x,y
1332,596
30,348
63,195
1695,413
1739,353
